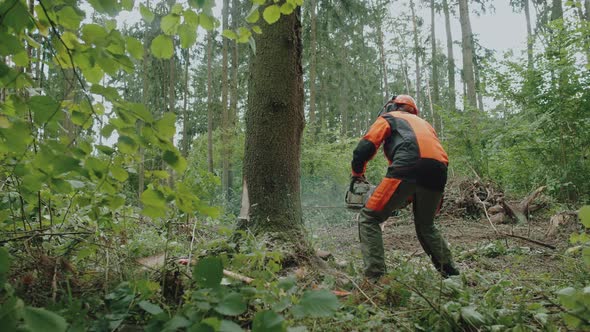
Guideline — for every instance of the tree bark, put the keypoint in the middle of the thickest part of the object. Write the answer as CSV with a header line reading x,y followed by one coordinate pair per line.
x,y
274,125
417,52
450,57
224,108
312,64
467,47
209,103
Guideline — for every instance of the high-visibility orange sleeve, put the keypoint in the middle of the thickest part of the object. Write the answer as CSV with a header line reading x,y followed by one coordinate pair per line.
x,y
369,145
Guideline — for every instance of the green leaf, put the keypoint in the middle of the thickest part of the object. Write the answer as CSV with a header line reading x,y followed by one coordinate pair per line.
x,y
208,272
584,215
108,64
110,7
134,47
271,14
166,126
206,21
169,24
126,144
93,75
188,35
177,323
119,173
244,35
41,320
231,305
229,326
253,15
94,34
43,107
268,321
174,159
127,5
162,47
150,308
257,29
229,34
287,8
472,317
191,18
69,18
154,203
320,303
146,13
21,59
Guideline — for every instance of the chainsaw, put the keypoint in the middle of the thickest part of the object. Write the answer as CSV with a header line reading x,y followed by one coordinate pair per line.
x,y
357,194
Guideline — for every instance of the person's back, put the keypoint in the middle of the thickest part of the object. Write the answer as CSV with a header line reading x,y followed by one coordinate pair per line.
x,y
418,170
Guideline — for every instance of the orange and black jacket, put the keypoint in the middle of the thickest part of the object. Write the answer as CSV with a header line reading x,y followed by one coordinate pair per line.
x,y
411,147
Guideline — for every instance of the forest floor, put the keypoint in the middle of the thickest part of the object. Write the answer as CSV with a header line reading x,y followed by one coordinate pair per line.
x,y
507,280
466,239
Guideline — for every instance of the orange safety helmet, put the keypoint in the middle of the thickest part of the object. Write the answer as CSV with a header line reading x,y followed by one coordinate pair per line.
x,y
407,100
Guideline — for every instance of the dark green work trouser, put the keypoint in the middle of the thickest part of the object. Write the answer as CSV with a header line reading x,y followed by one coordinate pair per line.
x,y
425,204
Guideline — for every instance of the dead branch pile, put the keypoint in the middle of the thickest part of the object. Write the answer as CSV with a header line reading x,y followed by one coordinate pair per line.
x,y
467,198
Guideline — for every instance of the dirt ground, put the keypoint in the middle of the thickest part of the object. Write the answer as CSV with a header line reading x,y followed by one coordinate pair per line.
x,y
469,240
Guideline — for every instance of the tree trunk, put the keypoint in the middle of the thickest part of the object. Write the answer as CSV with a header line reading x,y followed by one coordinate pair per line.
x,y
383,61
312,64
450,56
209,102
478,84
435,93
587,10
274,125
224,108
467,47
556,10
233,103
529,34
185,138
417,52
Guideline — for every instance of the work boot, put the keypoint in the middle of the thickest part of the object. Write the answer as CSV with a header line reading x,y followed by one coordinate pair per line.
x,y
448,270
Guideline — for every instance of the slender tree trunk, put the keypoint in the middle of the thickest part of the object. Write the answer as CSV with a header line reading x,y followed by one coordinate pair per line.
x,y
383,61
529,34
185,138
233,103
312,64
417,52
224,108
209,102
478,85
435,93
467,46
171,102
144,99
450,56
435,84
556,10
274,125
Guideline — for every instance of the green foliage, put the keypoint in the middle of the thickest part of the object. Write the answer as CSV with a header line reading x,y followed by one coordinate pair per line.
x,y
577,301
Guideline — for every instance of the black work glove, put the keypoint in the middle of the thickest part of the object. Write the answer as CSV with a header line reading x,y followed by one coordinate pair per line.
x,y
356,179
